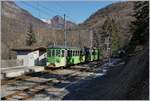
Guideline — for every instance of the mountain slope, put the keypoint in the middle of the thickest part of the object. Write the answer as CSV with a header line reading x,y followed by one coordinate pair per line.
x,y
15,24
58,22
121,12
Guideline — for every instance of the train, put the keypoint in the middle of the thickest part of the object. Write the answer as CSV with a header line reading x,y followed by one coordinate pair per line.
x,y
63,57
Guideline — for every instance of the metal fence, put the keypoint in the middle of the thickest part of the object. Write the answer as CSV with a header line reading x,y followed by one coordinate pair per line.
x,y
11,63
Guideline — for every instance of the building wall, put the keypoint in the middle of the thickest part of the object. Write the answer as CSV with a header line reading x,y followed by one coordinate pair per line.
x,y
33,58
23,57
28,58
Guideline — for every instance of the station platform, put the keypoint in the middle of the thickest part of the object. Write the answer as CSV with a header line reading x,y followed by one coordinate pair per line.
x,y
11,72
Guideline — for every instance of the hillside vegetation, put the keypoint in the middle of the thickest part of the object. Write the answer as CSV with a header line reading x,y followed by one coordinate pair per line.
x,y
117,15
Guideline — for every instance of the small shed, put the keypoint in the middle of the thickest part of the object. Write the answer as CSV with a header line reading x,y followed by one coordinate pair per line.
x,y
31,56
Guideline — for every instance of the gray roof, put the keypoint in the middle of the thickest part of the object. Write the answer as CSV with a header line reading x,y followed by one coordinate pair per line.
x,y
60,46
27,48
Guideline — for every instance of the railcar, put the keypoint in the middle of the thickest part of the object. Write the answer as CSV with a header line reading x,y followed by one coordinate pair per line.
x,y
61,57
96,53
89,54
73,56
56,57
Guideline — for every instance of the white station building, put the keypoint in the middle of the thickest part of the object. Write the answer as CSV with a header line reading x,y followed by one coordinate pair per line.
x,y
31,56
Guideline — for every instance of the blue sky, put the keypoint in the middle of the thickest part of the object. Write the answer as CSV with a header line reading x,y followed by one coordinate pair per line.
x,y
76,11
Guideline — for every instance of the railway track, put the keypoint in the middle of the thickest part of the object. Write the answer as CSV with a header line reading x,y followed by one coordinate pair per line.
x,y
12,80
85,69
27,76
19,78
30,92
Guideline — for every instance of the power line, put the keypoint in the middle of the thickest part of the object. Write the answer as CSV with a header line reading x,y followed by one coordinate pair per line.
x,y
31,6
47,10
52,10
68,13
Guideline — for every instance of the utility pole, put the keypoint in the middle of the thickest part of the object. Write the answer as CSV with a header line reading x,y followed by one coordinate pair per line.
x,y
65,34
109,48
54,40
39,17
91,38
79,43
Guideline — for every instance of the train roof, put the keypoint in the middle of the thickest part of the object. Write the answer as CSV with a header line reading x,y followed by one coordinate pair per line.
x,y
62,47
68,47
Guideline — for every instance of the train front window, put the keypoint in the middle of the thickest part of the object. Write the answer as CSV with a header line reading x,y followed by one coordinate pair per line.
x,y
49,52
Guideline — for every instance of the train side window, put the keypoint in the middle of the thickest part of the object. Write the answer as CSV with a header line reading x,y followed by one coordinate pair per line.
x,y
57,53
72,53
49,52
60,53
63,53
69,53
53,52
76,52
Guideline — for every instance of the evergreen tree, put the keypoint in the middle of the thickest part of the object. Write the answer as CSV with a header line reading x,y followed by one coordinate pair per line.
x,y
30,38
140,27
110,28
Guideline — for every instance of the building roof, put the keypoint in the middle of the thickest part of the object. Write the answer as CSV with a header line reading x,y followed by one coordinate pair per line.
x,y
27,48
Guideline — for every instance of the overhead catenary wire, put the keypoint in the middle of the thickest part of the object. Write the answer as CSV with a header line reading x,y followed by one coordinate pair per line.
x,y
65,11
47,11
36,8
